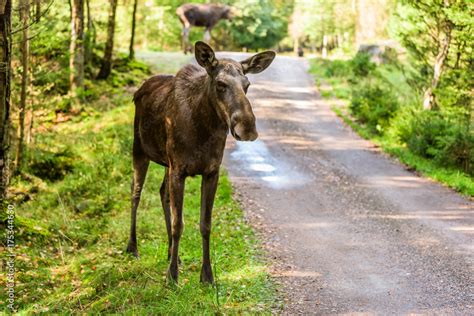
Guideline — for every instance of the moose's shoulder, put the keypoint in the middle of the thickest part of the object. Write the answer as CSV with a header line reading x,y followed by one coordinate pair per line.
x,y
190,72
151,85
189,78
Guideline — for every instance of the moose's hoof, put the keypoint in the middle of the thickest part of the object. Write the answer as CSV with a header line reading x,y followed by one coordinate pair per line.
x,y
206,275
132,249
172,276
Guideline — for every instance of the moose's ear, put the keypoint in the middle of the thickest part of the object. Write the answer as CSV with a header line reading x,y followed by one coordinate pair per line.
x,y
258,63
205,56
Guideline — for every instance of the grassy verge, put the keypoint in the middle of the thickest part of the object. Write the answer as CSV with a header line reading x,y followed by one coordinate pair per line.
x,y
333,81
72,229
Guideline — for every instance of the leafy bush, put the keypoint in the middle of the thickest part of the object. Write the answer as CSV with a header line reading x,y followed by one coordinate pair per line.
x,y
373,104
435,135
50,165
457,148
338,68
362,66
259,25
52,82
65,104
422,131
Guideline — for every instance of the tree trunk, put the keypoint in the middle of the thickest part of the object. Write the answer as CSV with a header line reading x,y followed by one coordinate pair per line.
x,y
131,54
38,10
29,123
325,46
24,48
106,67
89,37
5,75
428,98
76,49
296,45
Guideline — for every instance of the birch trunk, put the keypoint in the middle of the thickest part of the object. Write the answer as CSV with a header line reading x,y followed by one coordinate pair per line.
x,y
76,49
428,98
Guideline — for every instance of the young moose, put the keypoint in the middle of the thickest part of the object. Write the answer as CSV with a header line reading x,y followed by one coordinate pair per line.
x,y
181,123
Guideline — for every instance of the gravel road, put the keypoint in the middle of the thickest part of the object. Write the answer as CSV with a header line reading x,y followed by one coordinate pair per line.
x,y
348,229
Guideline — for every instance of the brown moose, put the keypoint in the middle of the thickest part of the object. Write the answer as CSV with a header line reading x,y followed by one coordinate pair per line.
x,y
181,123
204,15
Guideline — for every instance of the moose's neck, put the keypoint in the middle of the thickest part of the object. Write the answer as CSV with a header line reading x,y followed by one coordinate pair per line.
x,y
222,12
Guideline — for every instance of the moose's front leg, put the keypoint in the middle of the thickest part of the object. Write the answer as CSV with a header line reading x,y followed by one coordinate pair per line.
x,y
185,38
207,35
176,191
208,192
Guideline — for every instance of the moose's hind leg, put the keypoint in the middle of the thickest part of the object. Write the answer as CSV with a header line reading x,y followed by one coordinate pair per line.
x,y
140,167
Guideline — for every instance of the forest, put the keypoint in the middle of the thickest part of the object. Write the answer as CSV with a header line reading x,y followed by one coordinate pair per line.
x,y
403,69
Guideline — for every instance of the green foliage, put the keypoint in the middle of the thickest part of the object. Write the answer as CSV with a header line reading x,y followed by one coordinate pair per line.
x,y
385,108
339,68
128,72
338,73
312,20
433,134
421,26
51,35
457,149
257,25
422,131
361,65
158,27
373,104
50,165
373,101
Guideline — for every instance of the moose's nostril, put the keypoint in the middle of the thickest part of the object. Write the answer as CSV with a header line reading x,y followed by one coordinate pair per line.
x,y
235,134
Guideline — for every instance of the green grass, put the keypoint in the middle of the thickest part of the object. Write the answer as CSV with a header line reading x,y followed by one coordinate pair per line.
x,y
333,80
71,233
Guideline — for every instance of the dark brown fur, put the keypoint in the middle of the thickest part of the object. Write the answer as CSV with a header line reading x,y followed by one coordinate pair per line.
x,y
181,123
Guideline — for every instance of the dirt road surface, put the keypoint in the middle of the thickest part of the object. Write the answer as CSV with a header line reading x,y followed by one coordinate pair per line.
x,y
348,229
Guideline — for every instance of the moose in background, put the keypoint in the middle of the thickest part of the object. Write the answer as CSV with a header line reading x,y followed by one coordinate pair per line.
x,y
203,15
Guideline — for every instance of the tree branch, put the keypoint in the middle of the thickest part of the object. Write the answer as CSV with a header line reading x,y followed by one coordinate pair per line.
x,y
35,20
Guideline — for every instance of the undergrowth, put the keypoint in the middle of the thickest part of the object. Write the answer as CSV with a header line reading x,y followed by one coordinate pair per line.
x,y
381,106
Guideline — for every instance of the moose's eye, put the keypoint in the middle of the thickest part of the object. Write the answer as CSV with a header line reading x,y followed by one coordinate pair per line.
x,y
221,86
